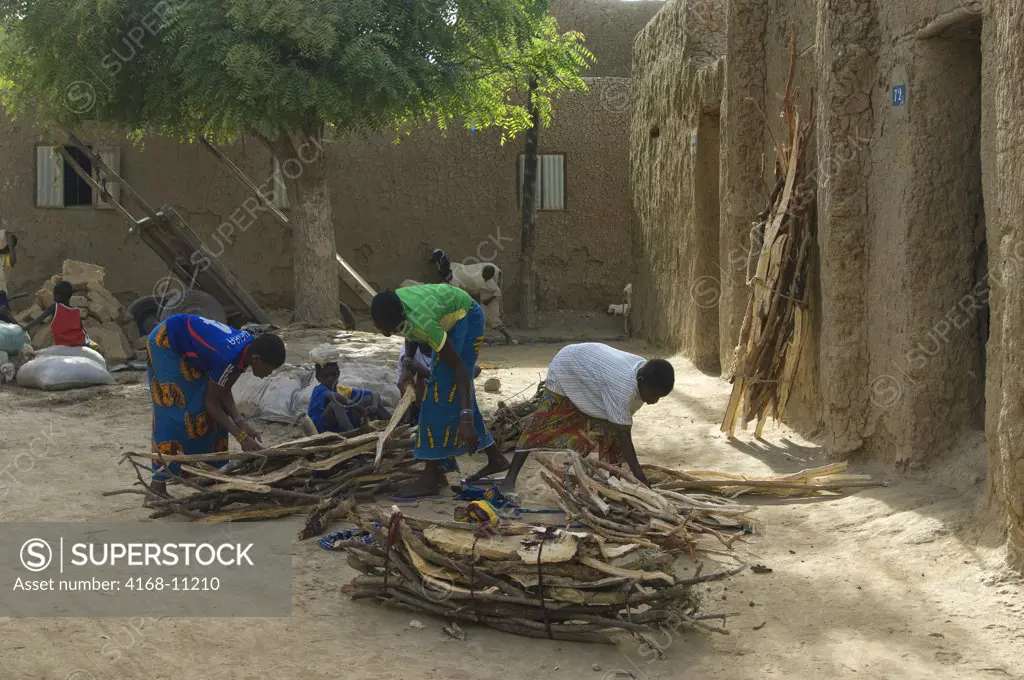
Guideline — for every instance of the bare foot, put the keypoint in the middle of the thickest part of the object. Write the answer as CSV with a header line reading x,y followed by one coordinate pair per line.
x,y
507,485
418,488
493,467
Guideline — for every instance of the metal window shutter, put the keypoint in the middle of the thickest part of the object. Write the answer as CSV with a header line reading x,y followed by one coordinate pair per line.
x,y
49,178
111,157
553,177
280,194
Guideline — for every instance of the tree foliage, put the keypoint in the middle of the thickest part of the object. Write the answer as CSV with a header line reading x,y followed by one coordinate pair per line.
x,y
224,68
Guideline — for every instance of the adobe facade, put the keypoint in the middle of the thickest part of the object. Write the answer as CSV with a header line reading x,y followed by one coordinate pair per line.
x,y
918,266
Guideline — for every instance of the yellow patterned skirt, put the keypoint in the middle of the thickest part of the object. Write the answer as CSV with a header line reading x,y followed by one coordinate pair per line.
x,y
437,436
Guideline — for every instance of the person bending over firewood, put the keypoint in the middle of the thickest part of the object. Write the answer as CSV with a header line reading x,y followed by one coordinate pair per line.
x,y
193,362
450,423
587,404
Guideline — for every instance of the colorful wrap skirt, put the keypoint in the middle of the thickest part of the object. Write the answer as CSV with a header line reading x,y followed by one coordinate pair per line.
x,y
558,424
437,434
181,424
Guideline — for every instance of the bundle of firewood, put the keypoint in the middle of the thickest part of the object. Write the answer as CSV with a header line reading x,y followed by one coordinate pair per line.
x,y
778,316
323,475
507,423
532,581
613,504
314,474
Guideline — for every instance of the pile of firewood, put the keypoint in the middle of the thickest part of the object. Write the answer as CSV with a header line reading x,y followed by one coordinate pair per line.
x,y
531,581
778,316
323,475
507,423
313,475
613,504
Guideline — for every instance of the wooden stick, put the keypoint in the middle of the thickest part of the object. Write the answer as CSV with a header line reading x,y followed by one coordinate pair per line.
x,y
407,399
767,484
244,179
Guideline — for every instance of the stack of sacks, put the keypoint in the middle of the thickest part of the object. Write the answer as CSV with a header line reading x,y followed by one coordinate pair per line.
x,y
107,323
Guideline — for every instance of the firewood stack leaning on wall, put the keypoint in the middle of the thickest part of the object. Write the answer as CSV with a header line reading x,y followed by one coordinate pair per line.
x,y
777,318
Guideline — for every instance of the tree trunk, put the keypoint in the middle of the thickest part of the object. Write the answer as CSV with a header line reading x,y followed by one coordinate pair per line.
x,y
315,269
529,207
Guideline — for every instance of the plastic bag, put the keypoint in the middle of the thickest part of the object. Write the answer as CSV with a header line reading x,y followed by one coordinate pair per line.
x,y
369,363
12,337
54,373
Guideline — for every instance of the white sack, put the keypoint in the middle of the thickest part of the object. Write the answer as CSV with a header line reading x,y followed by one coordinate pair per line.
x,y
54,373
82,352
272,398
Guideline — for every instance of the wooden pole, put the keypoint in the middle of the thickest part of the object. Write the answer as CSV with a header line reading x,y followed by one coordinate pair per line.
x,y
529,214
244,179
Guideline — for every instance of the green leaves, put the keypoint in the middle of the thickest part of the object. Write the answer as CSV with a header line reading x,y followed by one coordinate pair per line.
x,y
223,67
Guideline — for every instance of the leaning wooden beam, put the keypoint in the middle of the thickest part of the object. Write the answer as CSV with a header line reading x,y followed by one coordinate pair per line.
x,y
244,179
348,274
109,172
80,171
356,282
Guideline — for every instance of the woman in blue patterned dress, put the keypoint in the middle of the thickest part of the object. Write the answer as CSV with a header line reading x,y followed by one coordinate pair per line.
x,y
193,363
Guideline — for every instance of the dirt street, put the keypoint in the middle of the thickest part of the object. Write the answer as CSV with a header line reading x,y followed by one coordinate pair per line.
x,y
885,583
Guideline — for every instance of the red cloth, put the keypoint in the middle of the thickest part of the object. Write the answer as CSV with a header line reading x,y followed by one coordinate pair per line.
x,y
67,326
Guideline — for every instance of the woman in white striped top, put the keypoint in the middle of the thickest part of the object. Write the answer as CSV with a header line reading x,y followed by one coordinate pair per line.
x,y
590,395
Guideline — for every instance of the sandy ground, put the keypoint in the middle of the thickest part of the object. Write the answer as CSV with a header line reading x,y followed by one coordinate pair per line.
x,y
884,583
